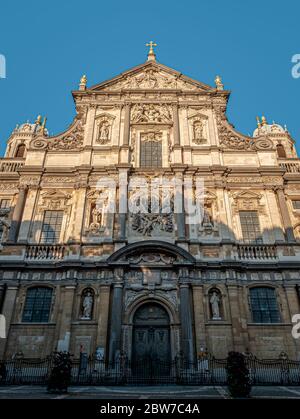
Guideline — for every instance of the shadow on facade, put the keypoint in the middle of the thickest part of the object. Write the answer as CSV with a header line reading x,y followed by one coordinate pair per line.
x,y
203,284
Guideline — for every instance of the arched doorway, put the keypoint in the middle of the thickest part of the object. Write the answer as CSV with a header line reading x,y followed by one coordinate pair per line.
x,y
151,334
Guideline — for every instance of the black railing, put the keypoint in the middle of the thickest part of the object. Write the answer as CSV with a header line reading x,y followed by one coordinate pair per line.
x,y
205,371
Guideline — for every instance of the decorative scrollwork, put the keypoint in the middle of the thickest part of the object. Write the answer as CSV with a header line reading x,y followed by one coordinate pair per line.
x,y
72,140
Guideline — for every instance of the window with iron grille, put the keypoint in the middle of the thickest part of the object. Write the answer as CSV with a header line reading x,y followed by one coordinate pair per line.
x,y
37,305
250,227
151,154
296,205
264,305
51,226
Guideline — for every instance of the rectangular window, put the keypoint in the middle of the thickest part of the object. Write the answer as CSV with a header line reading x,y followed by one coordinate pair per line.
x,y
51,227
296,205
5,203
37,305
151,154
250,227
264,305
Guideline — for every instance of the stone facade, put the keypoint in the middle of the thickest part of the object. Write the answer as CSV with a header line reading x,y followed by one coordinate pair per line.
x,y
102,267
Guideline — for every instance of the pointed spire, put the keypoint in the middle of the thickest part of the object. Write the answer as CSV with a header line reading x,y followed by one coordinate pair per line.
x,y
151,54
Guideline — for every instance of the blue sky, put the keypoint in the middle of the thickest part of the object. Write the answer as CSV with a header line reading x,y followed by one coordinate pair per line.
x,y
49,45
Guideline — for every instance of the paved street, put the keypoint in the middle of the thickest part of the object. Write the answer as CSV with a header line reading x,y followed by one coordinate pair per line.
x,y
144,392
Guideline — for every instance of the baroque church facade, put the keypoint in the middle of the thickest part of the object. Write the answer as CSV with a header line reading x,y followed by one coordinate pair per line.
x,y
75,276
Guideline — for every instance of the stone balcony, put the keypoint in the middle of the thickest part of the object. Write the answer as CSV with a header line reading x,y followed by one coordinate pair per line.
x,y
8,165
290,165
257,252
95,253
45,252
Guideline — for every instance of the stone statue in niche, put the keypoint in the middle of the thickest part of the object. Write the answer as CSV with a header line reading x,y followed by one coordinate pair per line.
x,y
215,305
96,218
208,226
104,131
207,216
198,129
87,305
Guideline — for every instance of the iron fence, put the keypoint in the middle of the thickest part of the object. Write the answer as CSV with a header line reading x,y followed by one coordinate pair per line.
x,y
205,371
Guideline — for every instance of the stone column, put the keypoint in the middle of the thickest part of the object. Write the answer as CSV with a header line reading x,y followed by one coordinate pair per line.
x,y
2,295
126,131
103,318
199,317
89,126
177,149
75,230
225,212
186,322
124,150
78,220
288,227
66,309
238,319
274,215
179,207
28,214
123,202
8,308
17,216
176,125
116,321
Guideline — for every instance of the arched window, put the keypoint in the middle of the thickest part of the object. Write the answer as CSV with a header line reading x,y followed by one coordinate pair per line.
x,y
281,151
37,305
21,150
264,305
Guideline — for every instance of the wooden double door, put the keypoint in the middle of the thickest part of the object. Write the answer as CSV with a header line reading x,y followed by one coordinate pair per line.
x,y
151,334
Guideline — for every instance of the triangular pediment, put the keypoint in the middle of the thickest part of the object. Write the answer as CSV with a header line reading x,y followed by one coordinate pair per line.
x,y
247,195
151,76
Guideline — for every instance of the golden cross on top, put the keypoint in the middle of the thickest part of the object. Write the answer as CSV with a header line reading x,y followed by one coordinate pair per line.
x,y
151,44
